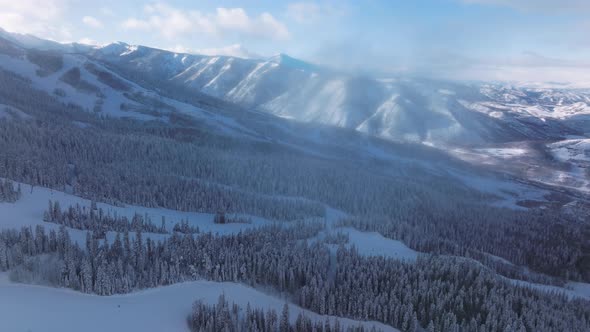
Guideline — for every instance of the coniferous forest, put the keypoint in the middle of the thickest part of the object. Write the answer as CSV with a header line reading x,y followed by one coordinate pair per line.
x,y
476,258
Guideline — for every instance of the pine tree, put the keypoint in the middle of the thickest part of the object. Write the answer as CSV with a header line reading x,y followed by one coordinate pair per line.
x,y
3,256
87,277
284,325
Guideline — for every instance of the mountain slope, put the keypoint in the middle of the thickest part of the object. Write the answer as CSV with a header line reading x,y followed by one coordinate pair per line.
x,y
400,109
126,81
407,109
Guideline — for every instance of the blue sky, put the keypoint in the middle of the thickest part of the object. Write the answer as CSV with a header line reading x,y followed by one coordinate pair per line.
x,y
527,40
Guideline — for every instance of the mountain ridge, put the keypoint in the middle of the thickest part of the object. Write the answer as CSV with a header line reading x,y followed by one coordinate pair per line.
x,y
470,121
420,110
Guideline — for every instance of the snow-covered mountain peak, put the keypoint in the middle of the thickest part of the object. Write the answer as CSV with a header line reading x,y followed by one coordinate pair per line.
x,y
422,109
286,60
116,48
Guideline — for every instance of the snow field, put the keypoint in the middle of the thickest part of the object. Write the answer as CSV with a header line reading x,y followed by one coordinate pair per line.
x,y
37,308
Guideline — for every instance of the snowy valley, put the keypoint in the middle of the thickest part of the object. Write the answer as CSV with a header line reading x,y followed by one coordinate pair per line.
x,y
159,191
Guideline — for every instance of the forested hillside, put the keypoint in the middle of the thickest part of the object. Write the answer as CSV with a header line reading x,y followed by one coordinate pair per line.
x,y
286,209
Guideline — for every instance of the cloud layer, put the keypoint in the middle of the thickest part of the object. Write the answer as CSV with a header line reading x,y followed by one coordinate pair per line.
x,y
234,50
92,22
173,22
464,39
37,17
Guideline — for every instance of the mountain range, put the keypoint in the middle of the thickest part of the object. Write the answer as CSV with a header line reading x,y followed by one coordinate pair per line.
x,y
479,122
396,108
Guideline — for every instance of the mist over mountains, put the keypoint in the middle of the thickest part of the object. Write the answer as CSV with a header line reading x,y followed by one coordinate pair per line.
x,y
419,110
399,108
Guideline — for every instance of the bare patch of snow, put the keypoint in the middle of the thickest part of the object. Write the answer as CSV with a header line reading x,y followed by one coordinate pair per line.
x,y
375,244
504,152
571,290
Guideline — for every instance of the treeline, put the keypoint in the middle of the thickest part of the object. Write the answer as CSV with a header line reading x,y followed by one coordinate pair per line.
x,y
100,222
268,256
437,293
222,218
8,192
96,220
232,318
185,228
49,62
540,240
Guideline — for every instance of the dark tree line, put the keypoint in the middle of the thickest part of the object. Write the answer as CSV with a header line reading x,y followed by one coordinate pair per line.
x,y
269,256
232,318
439,294
96,220
49,62
8,192
540,240
436,293
74,78
222,218
185,228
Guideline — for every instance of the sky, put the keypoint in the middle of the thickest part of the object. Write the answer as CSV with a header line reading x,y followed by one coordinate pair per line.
x,y
508,40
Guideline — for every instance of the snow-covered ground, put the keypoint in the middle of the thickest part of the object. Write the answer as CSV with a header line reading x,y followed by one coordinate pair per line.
x,y
498,109
367,243
488,156
530,162
504,152
572,289
375,244
508,192
29,209
575,152
111,99
9,112
30,308
153,304
572,150
39,308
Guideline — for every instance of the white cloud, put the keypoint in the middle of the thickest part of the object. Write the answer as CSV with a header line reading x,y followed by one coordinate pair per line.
x,y
38,17
89,41
40,9
92,22
526,67
172,22
235,50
